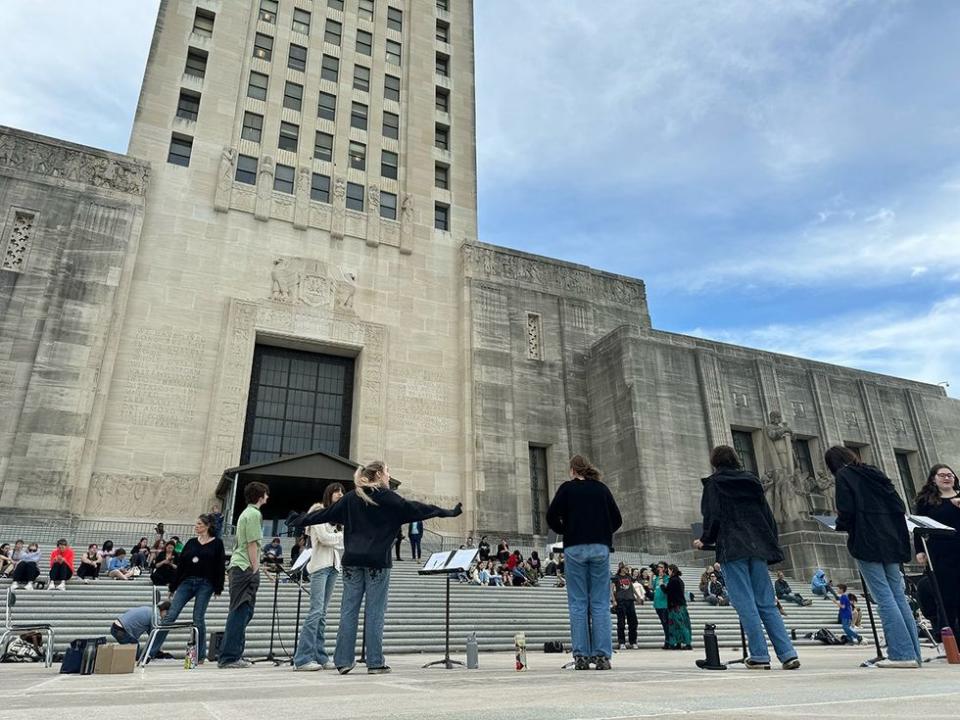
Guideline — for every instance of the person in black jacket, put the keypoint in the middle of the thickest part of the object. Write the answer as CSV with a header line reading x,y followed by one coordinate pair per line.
x,y
738,521
372,515
584,512
199,575
872,514
939,499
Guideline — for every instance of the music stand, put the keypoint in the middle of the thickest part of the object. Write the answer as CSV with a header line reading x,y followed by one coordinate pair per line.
x,y
830,522
925,527
302,559
446,563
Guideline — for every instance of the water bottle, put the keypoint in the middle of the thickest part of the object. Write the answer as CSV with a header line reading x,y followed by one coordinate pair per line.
x,y
520,651
473,652
712,649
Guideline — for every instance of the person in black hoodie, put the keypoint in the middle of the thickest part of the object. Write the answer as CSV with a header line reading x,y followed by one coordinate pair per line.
x,y
939,499
371,515
872,514
738,521
584,512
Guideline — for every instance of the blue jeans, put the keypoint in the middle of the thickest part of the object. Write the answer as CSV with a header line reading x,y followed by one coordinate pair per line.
x,y
885,583
201,591
751,594
847,625
357,582
588,599
310,647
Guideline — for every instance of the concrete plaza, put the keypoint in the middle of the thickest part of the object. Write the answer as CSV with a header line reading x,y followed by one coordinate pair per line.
x,y
643,683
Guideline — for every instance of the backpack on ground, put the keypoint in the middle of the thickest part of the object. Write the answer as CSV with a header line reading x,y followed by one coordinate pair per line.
x,y
20,651
826,637
553,646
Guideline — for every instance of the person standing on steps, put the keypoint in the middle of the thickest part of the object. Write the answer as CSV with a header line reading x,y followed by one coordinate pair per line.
x,y
939,499
244,572
659,584
415,533
584,512
739,522
371,515
871,512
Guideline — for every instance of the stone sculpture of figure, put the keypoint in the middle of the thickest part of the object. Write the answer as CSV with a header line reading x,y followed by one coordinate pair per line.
x,y
265,181
406,209
224,180
346,289
285,281
340,189
822,483
783,483
780,436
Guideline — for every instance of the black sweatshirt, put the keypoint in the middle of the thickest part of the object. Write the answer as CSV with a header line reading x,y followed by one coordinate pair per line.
x,y
203,561
585,513
945,549
369,531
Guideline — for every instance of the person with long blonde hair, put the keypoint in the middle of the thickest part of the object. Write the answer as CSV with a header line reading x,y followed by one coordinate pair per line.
x,y
371,515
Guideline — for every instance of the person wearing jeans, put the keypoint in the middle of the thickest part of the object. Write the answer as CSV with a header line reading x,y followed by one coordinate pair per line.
x,y
584,512
846,616
244,577
872,514
324,568
371,515
738,521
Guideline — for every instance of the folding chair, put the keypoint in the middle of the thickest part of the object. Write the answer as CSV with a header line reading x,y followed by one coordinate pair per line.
x,y
10,628
156,627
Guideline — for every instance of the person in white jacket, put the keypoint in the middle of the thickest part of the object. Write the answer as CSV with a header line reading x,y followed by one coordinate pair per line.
x,y
324,567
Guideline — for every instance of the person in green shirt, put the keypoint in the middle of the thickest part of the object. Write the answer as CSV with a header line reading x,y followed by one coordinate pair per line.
x,y
244,572
660,597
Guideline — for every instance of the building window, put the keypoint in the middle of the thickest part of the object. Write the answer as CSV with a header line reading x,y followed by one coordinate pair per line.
x,y
442,137
330,68
364,42
180,148
289,135
297,59
358,155
443,100
802,457
355,196
391,125
247,169
394,19
257,89
743,444
188,106
196,63
441,216
358,116
443,5
389,162
323,146
203,22
443,65
394,52
320,188
443,31
333,33
268,10
365,9
335,5
263,47
441,176
391,88
283,179
534,337
18,242
539,489
906,475
252,127
327,106
388,205
361,78
857,450
301,21
293,95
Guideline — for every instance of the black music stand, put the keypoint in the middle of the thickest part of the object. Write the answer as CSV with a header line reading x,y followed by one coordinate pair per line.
x,y
447,563
830,522
926,527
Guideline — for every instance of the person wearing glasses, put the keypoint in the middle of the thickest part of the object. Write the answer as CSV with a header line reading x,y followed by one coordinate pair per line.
x,y
939,499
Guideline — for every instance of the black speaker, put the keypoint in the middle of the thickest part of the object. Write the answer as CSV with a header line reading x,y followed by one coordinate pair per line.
x,y
213,647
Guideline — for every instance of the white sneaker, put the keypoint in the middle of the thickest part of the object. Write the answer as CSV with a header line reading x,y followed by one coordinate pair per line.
x,y
328,665
51,586
887,663
308,667
29,586
62,585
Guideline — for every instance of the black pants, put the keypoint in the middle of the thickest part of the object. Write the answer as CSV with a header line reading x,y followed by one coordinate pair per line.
x,y
415,547
948,578
662,614
396,546
25,572
60,572
88,571
626,615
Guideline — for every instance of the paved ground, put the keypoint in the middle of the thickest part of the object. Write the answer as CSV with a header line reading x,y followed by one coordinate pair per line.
x,y
643,683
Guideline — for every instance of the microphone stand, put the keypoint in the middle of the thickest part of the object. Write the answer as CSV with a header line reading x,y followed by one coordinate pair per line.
x,y
873,625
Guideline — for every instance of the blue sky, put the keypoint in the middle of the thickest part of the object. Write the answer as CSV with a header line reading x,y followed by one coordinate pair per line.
x,y
782,175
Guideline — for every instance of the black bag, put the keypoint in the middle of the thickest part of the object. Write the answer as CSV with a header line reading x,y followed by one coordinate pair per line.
x,y
553,646
826,637
213,647
73,659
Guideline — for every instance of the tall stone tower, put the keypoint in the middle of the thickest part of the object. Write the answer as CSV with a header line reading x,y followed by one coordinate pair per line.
x,y
298,280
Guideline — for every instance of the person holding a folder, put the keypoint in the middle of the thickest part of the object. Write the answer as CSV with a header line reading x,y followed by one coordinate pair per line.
x,y
939,499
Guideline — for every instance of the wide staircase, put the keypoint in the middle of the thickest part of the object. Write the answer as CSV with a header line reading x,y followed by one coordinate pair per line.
x,y
415,615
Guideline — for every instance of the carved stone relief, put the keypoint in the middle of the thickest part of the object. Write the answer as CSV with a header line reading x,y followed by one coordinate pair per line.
x,y
221,200
339,208
264,188
18,239
301,215
373,216
406,224
110,494
300,281
534,339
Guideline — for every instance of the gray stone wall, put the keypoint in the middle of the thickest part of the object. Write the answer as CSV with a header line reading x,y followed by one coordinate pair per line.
x,y
70,221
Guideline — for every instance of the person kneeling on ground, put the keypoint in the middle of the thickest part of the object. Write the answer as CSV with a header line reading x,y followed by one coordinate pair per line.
x,y
136,622
782,588
738,521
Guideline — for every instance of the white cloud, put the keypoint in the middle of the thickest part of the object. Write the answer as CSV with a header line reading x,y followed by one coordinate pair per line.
x,y
924,347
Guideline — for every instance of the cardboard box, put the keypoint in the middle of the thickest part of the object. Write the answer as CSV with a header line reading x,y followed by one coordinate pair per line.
x,y
114,659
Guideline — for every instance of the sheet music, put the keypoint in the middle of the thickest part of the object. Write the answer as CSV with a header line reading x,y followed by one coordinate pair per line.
x,y
302,559
925,523
450,561
828,520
